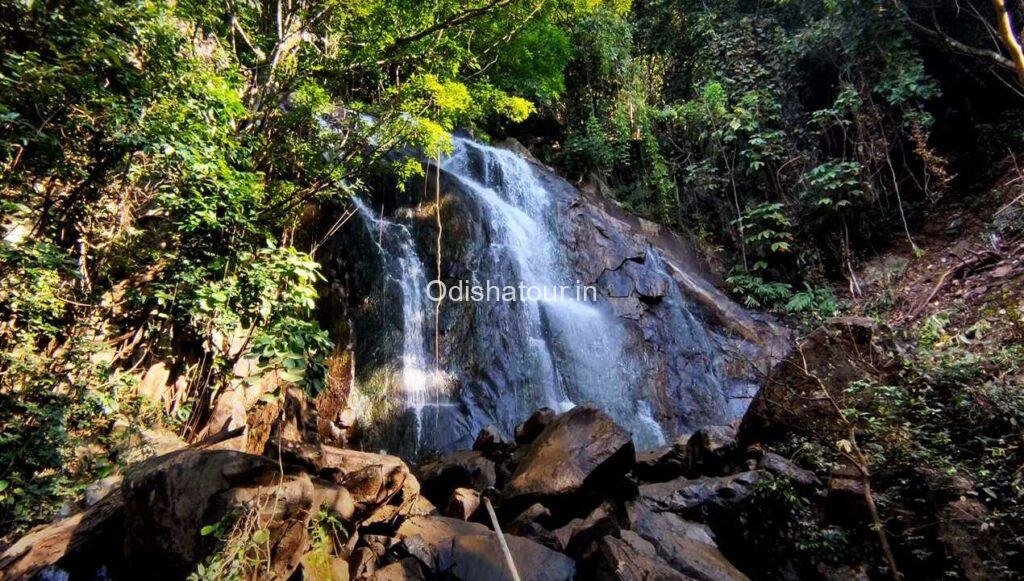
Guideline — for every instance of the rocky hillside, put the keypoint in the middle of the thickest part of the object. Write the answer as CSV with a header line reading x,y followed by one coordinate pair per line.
x,y
571,497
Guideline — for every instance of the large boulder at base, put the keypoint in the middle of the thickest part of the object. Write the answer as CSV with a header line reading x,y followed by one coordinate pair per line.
x,y
465,469
843,350
407,569
480,557
166,501
687,546
86,539
631,558
580,444
471,551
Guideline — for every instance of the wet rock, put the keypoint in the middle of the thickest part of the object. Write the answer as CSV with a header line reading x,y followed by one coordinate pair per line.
x,y
649,282
480,557
577,445
664,463
530,428
687,546
463,504
620,560
465,469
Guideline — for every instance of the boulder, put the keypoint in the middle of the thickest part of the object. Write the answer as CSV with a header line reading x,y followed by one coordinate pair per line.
x,y
463,503
781,466
166,501
535,513
620,560
664,463
532,523
407,569
697,497
89,534
580,537
843,350
480,557
362,564
712,451
687,546
575,447
530,428
488,441
378,483
471,551
465,469
429,538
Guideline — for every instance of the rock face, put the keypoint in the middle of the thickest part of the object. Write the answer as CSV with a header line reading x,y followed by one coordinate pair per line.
x,y
687,546
577,445
843,350
653,344
634,560
471,551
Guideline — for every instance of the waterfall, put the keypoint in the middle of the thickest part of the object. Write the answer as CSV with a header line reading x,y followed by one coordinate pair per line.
x,y
422,383
576,347
632,345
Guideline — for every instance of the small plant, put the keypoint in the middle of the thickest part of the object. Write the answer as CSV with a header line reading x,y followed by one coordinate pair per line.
x,y
818,302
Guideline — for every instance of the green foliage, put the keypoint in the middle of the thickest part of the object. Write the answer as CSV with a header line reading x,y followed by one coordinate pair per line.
x,y
783,532
756,292
35,276
819,302
835,184
161,162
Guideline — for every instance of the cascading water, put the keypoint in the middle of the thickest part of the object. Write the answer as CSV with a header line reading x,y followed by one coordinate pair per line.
x,y
634,348
574,348
422,383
